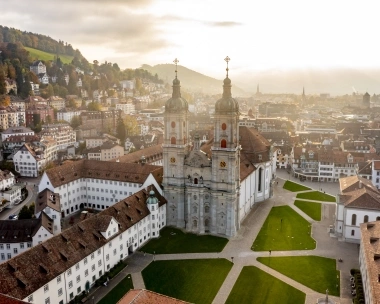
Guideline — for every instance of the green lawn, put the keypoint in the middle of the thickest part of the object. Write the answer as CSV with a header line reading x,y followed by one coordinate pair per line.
x,y
284,229
256,286
41,55
175,241
315,272
314,210
294,187
195,281
316,196
118,291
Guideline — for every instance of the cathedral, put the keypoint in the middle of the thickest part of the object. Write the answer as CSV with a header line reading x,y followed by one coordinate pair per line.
x,y
210,188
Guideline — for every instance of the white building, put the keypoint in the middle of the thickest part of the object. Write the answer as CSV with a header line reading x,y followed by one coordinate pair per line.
x,y
17,236
22,131
31,158
9,191
98,184
357,203
68,114
127,108
11,117
62,133
107,151
69,263
38,67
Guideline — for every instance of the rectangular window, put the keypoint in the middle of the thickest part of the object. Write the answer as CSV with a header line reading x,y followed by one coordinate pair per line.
x,y
70,284
100,263
69,272
15,250
79,289
78,278
59,292
93,267
107,257
99,251
59,279
46,288
8,246
21,245
47,301
86,273
92,256
30,298
77,266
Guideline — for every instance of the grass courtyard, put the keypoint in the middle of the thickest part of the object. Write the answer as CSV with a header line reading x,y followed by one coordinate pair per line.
x,y
314,210
118,291
195,281
256,286
175,241
294,187
317,273
316,196
284,229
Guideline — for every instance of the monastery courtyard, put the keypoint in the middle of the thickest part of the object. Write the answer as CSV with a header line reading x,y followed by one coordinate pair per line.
x,y
239,248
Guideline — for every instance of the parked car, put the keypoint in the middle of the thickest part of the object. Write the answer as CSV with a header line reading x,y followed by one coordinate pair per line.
x,y
13,217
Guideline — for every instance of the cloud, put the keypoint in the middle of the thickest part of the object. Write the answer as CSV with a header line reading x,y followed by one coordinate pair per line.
x,y
223,23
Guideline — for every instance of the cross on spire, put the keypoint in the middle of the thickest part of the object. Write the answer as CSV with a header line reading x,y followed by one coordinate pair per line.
x,y
176,62
227,59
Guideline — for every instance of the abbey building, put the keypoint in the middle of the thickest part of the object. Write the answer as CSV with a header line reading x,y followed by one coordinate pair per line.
x,y
211,188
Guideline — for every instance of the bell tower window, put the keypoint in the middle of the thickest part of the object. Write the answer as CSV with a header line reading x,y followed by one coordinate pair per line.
x,y
223,143
224,126
173,141
195,181
173,124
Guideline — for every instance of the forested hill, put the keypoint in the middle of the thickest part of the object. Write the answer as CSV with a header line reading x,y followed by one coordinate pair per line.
x,y
38,41
191,80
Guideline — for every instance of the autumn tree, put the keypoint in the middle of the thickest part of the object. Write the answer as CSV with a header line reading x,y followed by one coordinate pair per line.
x,y
120,130
5,100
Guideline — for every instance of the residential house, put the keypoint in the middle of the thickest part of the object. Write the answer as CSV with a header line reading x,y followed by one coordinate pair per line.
x,y
56,102
11,116
63,133
67,114
38,67
36,114
107,151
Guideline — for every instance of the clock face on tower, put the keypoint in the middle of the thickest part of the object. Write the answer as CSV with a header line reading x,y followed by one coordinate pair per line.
x,y
222,164
172,159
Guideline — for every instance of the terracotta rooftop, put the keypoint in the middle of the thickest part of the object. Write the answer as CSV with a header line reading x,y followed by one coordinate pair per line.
x,y
351,183
16,231
370,246
32,269
4,299
47,198
117,171
143,296
151,154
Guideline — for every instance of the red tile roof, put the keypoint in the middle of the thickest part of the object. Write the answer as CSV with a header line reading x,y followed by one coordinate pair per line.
x,y
143,296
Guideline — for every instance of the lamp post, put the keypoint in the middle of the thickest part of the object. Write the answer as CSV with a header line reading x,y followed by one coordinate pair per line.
x,y
232,259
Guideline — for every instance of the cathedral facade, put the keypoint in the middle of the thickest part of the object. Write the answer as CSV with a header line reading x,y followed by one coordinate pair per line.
x,y
211,188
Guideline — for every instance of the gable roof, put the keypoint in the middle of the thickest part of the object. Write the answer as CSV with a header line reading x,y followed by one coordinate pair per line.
x,y
143,296
116,171
12,231
47,198
32,269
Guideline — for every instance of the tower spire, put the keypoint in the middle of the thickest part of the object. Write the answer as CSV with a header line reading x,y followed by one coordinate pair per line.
x,y
227,81
176,82
227,59
176,62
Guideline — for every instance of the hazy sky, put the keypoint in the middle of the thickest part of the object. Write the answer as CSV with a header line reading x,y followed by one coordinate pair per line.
x,y
256,35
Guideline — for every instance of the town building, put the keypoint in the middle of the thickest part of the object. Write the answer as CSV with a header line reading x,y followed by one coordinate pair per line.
x,y
32,158
63,133
68,264
67,114
10,192
107,151
11,116
97,184
17,236
56,102
36,114
368,260
358,202
126,108
38,67
13,131
211,188
102,121
12,143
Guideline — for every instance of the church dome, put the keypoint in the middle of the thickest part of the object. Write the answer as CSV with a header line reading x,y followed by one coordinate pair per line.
x,y
226,104
176,103
151,199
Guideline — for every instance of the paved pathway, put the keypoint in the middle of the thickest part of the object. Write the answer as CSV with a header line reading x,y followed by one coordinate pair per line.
x,y
239,248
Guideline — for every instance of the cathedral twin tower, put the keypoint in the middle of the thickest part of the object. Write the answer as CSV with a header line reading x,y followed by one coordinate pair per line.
x,y
202,184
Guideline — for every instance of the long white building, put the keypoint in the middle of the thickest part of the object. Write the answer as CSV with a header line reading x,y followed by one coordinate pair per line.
x,y
97,184
69,263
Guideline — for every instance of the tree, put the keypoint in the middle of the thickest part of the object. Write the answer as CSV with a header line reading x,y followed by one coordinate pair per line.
x,y
131,125
75,122
5,100
25,213
120,130
94,106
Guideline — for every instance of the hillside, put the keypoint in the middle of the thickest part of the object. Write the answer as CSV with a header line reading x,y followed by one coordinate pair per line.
x,y
190,80
41,55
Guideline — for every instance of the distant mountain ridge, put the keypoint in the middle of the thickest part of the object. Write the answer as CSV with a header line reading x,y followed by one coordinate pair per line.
x,y
191,80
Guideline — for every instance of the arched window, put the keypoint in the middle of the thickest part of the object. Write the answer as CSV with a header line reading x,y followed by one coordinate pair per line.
x,y
195,181
223,143
173,141
224,126
207,209
353,220
207,222
195,224
366,219
195,209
